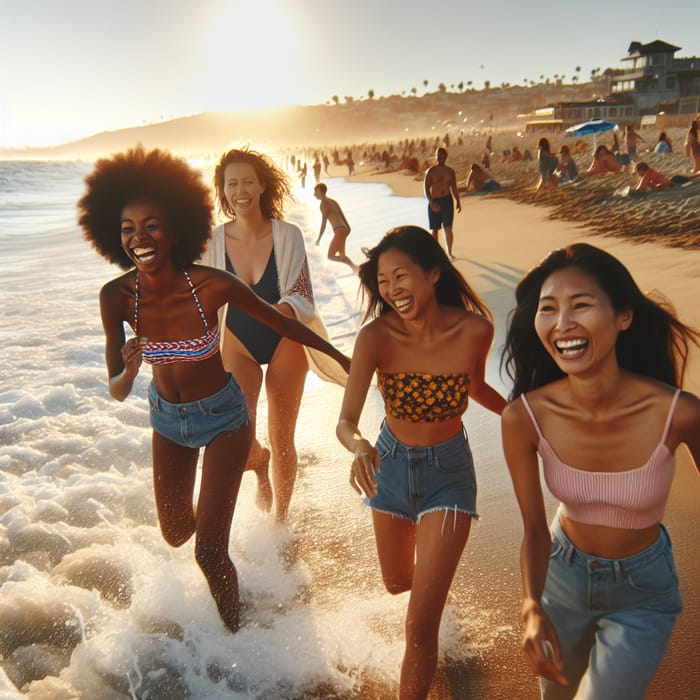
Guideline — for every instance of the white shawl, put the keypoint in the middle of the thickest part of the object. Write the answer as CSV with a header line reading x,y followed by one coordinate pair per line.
x,y
293,279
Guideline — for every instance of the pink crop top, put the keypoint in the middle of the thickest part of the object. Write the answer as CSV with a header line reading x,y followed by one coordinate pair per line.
x,y
632,499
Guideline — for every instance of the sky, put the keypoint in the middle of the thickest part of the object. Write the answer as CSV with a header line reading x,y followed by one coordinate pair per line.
x,y
73,68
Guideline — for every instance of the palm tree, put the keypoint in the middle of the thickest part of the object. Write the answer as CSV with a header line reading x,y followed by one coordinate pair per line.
x,y
336,99
414,91
442,87
425,85
460,85
370,94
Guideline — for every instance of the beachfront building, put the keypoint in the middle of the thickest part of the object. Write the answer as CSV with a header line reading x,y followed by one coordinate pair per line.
x,y
658,79
657,84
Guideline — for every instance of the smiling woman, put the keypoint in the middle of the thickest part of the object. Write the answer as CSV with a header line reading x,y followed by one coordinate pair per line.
x,y
597,367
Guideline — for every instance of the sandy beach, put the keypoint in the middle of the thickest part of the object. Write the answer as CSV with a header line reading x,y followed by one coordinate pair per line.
x,y
496,241
671,216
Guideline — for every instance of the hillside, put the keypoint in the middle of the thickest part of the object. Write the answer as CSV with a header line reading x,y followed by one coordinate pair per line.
x,y
368,120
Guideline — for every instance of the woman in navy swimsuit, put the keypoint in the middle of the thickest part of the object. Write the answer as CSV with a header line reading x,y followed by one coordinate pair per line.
x,y
269,254
149,213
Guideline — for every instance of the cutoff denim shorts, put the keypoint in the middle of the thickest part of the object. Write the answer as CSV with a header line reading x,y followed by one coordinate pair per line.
x,y
613,617
413,481
197,423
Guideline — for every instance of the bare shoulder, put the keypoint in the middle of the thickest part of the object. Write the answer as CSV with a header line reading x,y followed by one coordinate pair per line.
x,y
117,287
514,414
687,414
478,325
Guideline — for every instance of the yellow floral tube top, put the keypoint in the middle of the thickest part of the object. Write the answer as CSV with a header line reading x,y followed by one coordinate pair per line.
x,y
418,397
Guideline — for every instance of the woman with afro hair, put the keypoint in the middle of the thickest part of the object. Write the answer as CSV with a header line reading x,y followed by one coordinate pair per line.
x,y
149,213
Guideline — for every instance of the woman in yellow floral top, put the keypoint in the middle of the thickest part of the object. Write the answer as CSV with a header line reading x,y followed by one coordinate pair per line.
x,y
427,341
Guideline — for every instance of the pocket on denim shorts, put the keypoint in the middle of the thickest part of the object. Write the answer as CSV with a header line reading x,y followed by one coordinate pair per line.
x,y
659,577
556,549
457,458
221,405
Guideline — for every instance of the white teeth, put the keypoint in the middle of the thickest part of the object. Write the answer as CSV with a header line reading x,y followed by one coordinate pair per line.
x,y
243,202
571,347
402,304
144,254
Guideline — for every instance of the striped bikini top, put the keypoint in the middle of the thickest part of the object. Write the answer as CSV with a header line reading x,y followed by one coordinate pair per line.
x,y
419,397
632,499
165,352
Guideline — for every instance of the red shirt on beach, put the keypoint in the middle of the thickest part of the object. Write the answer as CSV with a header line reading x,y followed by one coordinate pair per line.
x,y
652,180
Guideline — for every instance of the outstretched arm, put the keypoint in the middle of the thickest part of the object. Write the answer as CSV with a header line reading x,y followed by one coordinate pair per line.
x,y
242,296
540,642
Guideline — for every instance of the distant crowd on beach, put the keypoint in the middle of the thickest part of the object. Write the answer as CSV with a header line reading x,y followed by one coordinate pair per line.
x,y
625,150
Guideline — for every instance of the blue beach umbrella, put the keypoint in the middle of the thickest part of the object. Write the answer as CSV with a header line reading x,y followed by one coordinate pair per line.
x,y
592,126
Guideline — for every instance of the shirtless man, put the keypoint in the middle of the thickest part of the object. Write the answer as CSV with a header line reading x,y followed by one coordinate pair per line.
x,y
332,213
440,187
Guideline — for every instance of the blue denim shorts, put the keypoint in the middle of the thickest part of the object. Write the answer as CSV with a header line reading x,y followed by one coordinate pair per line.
x,y
413,481
197,423
613,617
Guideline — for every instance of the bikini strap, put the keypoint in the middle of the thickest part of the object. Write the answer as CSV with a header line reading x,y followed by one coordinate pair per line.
x,y
532,417
671,411
136,306
197,304
194,294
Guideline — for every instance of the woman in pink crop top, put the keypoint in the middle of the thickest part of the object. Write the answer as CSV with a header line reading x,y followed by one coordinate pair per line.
x,y
595,365
428,341
149,213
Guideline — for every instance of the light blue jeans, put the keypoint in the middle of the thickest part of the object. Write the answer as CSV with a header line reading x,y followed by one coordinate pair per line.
x,y
614,618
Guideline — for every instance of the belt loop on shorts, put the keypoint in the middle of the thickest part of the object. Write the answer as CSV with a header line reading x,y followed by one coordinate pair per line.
x,y
156,398
619,573
569,551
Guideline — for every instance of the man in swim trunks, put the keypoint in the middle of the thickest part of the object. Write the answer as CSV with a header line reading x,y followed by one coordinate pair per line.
x,y
440,187
333,214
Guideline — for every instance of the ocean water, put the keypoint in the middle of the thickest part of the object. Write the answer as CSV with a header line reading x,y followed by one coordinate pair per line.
x,y
93,603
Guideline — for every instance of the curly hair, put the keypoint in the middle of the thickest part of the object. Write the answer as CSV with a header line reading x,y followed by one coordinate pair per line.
x,y
451,289
655,345
274,181
155,175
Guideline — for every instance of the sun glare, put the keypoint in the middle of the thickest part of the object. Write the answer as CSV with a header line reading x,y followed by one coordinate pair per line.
x,y
255,52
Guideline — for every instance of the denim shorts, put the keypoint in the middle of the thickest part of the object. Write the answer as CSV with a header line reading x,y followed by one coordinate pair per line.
x,y
613,617
197,423
413,481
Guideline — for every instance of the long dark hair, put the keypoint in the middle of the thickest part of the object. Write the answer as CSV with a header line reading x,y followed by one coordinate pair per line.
x,y
451,289
655,344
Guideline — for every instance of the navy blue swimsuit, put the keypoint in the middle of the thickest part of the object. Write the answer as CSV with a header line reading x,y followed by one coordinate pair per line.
x,y
260,340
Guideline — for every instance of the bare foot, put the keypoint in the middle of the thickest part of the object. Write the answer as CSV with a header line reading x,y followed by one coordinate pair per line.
x,y
261,469
226,600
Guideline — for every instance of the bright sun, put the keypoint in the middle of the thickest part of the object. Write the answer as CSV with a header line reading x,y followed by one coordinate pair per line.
x,y
255,53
